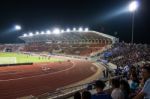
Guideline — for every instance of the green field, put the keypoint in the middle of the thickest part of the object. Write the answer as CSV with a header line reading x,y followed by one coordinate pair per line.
x,y
9,57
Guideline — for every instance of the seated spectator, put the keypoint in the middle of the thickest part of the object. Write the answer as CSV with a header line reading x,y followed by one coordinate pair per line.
x,y
86,95
145,92
77,95
117,92
125,88
100,85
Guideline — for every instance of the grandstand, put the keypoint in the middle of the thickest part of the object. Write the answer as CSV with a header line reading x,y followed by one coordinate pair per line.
x,y
67,42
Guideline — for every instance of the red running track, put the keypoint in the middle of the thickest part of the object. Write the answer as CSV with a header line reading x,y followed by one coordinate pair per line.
x,y
18,81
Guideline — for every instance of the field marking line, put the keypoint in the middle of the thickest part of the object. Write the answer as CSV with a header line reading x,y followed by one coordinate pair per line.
x,y
41,74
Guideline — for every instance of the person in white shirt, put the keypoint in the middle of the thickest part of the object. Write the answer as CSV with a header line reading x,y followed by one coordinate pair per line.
x,y
117,92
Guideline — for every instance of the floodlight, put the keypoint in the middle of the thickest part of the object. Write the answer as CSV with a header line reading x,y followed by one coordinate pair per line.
x,y
74,29
86,29
25,35
62,31
133,6
17,27
68,30
48,32
30,34
80,29
42,32
37,33
56,31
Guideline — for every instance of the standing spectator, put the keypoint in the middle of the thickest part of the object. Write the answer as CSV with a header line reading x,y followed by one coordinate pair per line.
x,y
145,92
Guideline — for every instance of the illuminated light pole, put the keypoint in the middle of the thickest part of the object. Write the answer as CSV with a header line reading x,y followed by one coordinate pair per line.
x,y
132,8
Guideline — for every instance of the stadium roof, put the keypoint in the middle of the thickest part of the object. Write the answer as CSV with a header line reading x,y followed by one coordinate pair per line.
x,y
65,35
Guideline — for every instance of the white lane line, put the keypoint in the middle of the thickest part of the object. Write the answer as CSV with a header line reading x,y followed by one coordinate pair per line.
x,y
41,74
20,72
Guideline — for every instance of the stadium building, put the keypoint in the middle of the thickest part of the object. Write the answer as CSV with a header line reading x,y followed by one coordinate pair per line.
x,y
77,41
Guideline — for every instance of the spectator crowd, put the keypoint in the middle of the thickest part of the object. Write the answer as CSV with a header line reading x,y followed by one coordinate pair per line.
x,y
133,63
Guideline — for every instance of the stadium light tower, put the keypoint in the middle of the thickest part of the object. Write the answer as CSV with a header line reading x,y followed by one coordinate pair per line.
x,y
132,8
17,27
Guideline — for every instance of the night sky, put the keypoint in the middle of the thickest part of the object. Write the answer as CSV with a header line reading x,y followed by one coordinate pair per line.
x,y
108,16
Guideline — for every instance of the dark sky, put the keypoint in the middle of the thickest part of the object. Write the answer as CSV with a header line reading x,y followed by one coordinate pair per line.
x,y
99,15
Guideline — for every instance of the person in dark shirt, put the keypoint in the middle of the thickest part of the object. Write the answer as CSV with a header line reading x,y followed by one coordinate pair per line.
x,y
86,95
77,95
100,85
124,86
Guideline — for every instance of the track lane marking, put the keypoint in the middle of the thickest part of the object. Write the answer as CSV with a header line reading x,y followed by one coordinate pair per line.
x,y
41,74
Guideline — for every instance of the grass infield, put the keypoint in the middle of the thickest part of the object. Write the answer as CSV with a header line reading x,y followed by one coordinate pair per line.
x,y
24,58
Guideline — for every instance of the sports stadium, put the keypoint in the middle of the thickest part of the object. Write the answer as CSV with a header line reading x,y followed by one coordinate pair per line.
x,y
56,64
103,55
51,60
